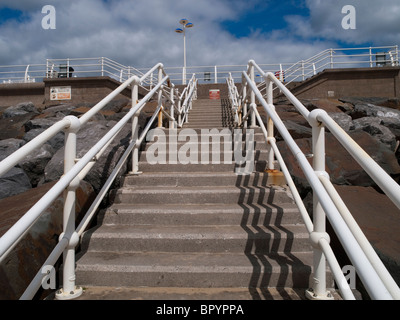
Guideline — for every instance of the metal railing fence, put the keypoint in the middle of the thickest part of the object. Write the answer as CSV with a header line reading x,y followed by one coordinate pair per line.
x,y
76,169
326,201
287,72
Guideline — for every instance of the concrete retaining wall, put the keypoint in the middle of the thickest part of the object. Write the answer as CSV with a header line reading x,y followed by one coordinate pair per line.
x,y
360,82
330,83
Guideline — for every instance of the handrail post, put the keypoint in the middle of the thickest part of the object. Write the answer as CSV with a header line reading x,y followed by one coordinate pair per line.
x,y
135,128
172,112
371,64
69,289
26,74
185,106
244,108
160,115
270,123
318,290
179,110
252,98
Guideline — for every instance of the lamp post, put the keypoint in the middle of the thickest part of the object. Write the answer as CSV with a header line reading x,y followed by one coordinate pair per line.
x,y
185,24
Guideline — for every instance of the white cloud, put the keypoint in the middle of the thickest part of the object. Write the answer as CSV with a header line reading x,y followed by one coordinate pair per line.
x,y
377,22
141,33
25,5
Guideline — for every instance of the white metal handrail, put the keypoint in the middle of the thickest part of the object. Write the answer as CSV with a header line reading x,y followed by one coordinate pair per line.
x,y
374,275
332,261
74,171
190,94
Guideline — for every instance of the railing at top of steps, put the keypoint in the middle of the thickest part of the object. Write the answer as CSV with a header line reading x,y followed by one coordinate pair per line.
x,y
76,169
287,71
327,202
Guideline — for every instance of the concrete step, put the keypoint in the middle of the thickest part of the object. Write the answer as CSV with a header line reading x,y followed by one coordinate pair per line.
x,y
200,239
189,166
205,134
198,294
208,110
206,102
206,155
201,195
166,269
202,214
194,143
209,121
207,126
202,157
221,130
207,114
192,179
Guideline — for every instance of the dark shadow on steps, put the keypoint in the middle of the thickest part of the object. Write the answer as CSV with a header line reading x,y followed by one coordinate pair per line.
x,y
264,238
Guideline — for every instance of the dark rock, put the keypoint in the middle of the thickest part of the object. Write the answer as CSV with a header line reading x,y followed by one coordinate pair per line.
x,y
296,130
373,126
329,105
26,259
64,109
116,105
14,127
341,167
78,112
56,142
36,126
378,217
35,163
9,146
114,116
14,182
87,137
20,109
343,120
41,123
370,110
393,103
393,125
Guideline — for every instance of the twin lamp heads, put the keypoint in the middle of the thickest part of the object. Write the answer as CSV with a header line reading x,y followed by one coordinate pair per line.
x,y
186,24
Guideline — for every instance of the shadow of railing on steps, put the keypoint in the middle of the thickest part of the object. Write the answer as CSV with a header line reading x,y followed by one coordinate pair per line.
x,y
264,245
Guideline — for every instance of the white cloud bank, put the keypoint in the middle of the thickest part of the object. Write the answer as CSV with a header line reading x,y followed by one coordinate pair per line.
x,y
141,33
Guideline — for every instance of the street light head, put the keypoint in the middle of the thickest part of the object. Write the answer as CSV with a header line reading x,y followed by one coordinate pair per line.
x,y
178,30
183,21
189,25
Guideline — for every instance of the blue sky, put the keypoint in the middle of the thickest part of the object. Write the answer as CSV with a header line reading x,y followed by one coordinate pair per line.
x,y
141,33
265,17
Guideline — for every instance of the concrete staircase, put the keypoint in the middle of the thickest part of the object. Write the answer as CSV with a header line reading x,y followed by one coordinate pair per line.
x,y
198,231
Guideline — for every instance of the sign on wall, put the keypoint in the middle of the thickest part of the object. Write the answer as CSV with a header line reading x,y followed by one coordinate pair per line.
x,y
60,93
214,94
